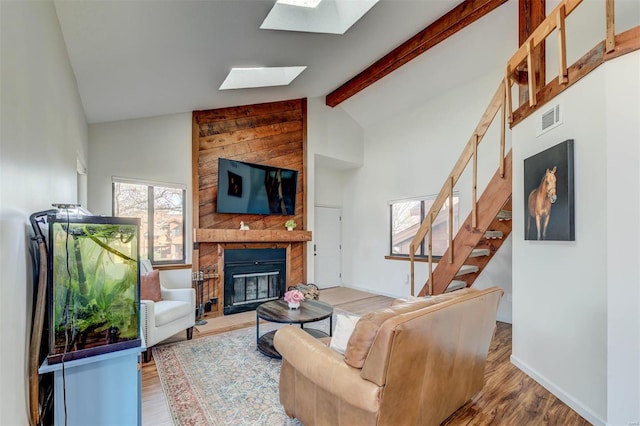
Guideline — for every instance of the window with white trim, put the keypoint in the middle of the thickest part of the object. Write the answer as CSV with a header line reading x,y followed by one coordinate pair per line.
x,y
406,217
161,210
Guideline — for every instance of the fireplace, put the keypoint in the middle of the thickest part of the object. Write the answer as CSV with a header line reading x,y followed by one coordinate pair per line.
x,y
251,277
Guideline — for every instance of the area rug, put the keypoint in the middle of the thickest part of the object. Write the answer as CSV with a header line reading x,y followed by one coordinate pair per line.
x,y
223,379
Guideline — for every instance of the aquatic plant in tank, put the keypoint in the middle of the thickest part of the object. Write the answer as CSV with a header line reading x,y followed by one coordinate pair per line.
x,y
94,295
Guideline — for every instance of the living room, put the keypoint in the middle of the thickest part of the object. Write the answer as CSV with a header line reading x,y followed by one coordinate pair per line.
x,y
575,305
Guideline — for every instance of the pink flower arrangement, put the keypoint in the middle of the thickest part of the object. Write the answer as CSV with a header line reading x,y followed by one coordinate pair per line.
x,y
295,296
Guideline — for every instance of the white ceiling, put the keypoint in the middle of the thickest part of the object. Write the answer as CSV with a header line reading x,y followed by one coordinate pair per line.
x,y
135,58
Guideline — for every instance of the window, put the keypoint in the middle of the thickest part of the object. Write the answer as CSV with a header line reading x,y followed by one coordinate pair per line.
x,y
161,209
406,217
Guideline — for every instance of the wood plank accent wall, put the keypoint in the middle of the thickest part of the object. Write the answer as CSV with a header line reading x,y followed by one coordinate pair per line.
x,y
272,134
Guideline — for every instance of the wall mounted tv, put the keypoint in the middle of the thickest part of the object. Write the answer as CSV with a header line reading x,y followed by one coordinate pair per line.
x,y
248,188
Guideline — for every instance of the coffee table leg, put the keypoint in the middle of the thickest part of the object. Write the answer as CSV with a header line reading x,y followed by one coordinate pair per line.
x,y
331,325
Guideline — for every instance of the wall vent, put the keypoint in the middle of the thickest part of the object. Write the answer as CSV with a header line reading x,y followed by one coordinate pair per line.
x,y
549,119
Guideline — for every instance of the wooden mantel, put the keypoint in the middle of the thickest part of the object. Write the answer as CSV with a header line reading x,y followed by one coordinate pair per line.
x,y
249,236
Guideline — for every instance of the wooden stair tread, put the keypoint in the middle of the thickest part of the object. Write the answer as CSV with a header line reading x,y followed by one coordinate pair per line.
x,y
504,215
467,269
493,234
480,252
455,285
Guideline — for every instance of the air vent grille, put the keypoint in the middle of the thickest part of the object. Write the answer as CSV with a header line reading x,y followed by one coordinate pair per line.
x,y
549,119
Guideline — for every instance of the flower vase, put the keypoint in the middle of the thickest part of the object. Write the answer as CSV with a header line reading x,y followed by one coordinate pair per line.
x,y
294,305
289,228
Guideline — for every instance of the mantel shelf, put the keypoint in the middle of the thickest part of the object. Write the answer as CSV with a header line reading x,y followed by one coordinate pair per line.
x,y
249,236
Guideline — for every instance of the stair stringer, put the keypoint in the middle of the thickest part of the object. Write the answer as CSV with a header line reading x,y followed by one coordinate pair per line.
x,y
493,245
494,197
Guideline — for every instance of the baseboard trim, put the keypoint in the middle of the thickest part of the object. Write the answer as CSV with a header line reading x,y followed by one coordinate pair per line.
x,y
558,392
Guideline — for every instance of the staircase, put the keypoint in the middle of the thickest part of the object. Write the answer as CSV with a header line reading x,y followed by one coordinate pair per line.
x,y
473,247
484,212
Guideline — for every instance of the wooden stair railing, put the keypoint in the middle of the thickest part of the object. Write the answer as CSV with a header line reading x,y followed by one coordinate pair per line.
x,y
446,193
555,20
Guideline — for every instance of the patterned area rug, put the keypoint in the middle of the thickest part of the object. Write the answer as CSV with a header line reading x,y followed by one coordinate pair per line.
x,y
223,379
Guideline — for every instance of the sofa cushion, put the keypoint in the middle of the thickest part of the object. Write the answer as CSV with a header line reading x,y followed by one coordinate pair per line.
x,y
344,328
150,286
367,327
170,310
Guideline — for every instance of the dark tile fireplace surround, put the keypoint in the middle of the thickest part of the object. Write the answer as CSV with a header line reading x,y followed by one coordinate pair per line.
x,y
251,277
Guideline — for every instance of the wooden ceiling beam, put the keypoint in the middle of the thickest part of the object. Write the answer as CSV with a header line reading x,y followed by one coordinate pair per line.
x,y
453,21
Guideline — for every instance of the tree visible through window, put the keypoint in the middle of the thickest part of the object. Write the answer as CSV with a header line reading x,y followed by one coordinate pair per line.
x,y
161,210
406,218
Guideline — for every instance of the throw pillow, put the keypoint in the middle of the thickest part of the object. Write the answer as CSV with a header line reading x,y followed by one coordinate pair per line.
x,y
150,286
344,328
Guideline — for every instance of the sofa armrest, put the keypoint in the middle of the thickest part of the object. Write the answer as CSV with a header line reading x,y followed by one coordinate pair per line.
x,y
326,368
179,294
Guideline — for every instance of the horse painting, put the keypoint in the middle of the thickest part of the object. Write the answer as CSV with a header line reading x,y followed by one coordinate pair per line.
x,y
540,201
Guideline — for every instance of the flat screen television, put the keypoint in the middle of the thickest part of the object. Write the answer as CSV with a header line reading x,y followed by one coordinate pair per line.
x,y
248,188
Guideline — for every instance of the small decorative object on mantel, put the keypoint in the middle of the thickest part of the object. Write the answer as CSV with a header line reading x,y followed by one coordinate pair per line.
x,y
244,227
293,298
290,224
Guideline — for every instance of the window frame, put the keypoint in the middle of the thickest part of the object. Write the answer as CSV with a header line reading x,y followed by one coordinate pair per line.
x,y
421,253
151,185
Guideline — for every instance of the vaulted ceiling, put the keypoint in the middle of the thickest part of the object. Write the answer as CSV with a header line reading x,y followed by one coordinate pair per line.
x,y
146,58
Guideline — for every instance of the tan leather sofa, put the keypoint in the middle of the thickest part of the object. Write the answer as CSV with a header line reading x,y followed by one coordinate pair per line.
x,y
414,363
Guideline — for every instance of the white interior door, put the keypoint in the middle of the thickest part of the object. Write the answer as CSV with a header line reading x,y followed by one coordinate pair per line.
x,y
327,249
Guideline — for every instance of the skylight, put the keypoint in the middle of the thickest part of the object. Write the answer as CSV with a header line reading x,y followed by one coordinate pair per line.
x,y
246,78
329,16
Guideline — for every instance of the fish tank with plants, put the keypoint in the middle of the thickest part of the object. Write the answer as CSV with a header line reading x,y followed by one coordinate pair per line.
x,y
94,290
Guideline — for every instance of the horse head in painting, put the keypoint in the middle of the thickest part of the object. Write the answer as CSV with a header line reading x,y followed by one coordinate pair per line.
x,y
540,200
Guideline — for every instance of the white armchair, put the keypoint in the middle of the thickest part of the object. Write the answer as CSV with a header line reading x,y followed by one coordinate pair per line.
x,y
174,313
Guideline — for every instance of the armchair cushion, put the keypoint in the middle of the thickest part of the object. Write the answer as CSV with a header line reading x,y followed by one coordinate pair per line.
x,y
150,286
170,310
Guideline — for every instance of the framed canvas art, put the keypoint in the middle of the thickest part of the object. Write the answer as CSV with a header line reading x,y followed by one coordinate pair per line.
x,y
548,189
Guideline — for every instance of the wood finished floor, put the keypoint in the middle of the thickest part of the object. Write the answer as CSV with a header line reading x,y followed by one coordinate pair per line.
x,y
509,396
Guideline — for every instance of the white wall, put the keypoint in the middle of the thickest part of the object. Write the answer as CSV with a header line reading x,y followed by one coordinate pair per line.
x,y
559,288
43,132
329,186
156,149
576,303
335,143
622,85
407,156
498,273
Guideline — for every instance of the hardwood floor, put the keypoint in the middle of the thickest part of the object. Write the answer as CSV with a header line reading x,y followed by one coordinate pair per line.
x,y
509,396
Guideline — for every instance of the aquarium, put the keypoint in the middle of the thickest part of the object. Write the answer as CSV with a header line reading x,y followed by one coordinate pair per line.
x,y
94,294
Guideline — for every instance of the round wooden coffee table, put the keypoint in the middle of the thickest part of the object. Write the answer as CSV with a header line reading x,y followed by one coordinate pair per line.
x,y
278,311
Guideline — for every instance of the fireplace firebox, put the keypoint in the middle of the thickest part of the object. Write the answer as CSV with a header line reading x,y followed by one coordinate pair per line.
x,y
252,277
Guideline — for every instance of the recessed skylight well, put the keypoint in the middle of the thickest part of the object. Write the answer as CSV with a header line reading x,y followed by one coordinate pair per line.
x,y
246,78
301,3
328,16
